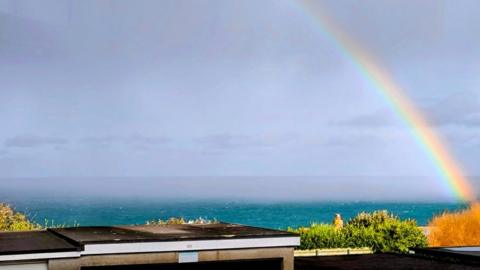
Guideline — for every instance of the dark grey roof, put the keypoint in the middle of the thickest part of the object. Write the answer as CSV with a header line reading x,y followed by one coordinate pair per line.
x,y
33,242
74,238
155,233
464,254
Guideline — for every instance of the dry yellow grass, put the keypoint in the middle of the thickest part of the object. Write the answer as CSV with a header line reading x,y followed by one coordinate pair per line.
x,y
456,229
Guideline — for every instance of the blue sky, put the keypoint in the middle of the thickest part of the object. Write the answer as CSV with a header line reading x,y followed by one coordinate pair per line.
x,y
229,88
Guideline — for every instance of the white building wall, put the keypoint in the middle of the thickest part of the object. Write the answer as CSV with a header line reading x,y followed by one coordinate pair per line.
x,y
25,266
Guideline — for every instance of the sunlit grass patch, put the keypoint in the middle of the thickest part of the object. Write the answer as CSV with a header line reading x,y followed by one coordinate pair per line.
x,y
457,228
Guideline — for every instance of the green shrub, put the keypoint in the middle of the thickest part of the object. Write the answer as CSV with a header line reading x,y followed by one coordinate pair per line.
x,y
321,236
380,231
384,232
365,219
11,220
360,237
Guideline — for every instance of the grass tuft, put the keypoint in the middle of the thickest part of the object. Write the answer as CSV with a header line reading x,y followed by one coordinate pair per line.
x,y
456,229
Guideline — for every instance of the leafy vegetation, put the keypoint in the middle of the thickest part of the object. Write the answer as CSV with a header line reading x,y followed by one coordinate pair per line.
x,y
11,220
321,236
456,229
381,231
384,232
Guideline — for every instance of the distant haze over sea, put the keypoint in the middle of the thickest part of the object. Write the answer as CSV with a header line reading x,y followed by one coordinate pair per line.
x,y
275,202
260,188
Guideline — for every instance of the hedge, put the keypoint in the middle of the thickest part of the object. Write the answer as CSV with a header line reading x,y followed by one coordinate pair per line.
x,y
380,231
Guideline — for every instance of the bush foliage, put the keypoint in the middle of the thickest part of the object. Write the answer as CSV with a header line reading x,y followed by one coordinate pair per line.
x,y
321,236
381,231
456,229
11,220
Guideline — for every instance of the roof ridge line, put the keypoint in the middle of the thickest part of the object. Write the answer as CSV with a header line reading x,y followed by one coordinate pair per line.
x,y
78,245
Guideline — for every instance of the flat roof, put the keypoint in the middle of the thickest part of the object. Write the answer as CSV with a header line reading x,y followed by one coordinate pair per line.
x,y
378,261
467,254
472,251
96,240
155,233
33,242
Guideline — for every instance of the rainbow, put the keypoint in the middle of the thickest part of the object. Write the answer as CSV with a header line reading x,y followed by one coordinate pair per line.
x,y
447,168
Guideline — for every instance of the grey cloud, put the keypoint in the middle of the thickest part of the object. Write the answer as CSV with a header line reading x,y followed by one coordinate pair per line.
x,y
150,140
463,137
33,141
231,141
378,118
99,72
458,109
99,139
17,33
132,139
354,140
228,141
473,119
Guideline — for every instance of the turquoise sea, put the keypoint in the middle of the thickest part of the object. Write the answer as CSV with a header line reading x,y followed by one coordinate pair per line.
x,y
111,211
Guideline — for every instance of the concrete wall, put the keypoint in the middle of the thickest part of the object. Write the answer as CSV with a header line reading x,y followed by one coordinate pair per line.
x,y
286,254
